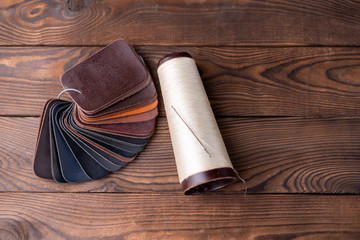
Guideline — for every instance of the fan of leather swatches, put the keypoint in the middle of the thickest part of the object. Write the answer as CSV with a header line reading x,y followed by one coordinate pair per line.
x,y
110,120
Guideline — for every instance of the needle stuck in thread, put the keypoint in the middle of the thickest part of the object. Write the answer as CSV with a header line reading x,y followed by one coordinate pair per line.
x,y
192,132
198,139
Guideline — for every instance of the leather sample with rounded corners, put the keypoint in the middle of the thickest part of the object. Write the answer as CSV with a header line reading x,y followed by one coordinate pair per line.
x,y
106,126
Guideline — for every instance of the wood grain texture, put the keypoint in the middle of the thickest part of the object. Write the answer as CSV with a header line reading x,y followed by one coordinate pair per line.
x,y
29,76
274,155
239,81
75,5
173,22
319,82
174,216
270,68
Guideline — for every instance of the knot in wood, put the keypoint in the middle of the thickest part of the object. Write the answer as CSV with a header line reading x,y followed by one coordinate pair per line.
x,y
75,5
11,229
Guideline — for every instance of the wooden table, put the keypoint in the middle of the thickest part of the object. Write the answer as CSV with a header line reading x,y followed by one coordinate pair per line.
x,y
283,78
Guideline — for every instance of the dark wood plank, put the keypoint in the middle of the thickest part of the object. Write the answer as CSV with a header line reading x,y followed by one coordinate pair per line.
x,y
239,81
183,22
29,76
276,81
274,155
154,171
174,216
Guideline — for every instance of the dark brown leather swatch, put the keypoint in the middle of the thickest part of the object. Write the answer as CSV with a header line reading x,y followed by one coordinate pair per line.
x,y
141,129
141,117
42,165
140,99
110,122
110,75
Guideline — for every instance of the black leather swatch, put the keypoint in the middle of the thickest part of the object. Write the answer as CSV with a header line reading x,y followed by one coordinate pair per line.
x,y
113,82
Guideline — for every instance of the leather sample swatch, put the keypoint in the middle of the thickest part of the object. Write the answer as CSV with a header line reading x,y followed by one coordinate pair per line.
x,y
111,75
106,126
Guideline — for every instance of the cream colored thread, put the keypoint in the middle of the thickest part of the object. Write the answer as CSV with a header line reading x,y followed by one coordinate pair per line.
x,y
67,90
193,133
182,87
243,180
203,142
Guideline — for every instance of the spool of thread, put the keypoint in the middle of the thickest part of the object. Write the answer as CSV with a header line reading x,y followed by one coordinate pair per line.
x,y
202,161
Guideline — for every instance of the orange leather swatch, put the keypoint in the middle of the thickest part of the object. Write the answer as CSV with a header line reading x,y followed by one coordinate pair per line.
x,y
132,112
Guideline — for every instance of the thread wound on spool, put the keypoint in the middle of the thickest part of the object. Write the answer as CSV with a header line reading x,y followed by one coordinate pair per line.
x,y
173,55
210,180
201,158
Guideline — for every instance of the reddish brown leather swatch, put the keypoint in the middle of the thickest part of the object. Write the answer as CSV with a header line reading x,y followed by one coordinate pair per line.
x,y
122,114
145,116
141,129
140,99
113,74
110,122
